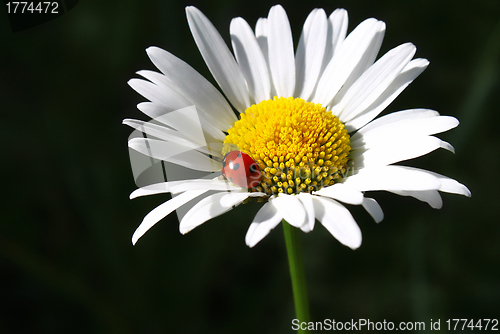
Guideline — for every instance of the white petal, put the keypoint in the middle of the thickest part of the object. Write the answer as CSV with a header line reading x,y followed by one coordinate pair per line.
x,y
177,110
154,93
397,130
310,53
363,64
398,116
174,153
392,178
186,121
291,209
411,71
368,58
374,81
308,204
208,208
193,87
342,192
373,208
162,211
166,187
256,194
448,185
337,30
338,221
345,60
166,134
451,186
265,220
153,189
250,59
158,112
188,185
153,110
158,131
218,58
281,55
261,33
171,98
431,197
389,152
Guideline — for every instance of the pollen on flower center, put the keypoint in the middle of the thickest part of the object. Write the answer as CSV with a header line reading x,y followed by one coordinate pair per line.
x,y
298,145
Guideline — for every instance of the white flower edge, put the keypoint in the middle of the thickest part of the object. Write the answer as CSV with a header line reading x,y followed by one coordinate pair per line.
x,y
351,59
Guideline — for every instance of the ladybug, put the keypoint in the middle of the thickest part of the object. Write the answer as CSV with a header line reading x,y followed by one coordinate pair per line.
x,y
241,169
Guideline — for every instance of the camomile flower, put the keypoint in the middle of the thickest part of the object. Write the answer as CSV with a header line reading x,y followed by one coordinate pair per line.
x,y
307,119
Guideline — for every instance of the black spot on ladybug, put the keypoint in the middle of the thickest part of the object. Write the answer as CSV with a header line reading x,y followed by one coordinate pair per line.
x,y
236,168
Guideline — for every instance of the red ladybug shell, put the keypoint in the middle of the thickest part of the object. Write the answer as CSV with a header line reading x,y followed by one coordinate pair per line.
x,y
241,169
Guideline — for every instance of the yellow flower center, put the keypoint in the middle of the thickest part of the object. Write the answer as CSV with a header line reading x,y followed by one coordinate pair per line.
x,y
298,145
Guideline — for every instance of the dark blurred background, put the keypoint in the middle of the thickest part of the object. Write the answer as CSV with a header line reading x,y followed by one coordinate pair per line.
x,y
67,264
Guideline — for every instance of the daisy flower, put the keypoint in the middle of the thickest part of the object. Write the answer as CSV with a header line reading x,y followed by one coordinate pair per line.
x,y
308,119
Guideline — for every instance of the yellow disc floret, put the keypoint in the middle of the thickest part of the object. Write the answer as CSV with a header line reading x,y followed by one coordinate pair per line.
x,y
298,145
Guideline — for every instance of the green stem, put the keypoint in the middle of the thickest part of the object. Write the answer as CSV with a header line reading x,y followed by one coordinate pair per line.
x,y
297,273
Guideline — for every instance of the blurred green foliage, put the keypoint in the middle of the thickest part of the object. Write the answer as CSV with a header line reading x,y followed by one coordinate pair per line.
x,y
66,261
